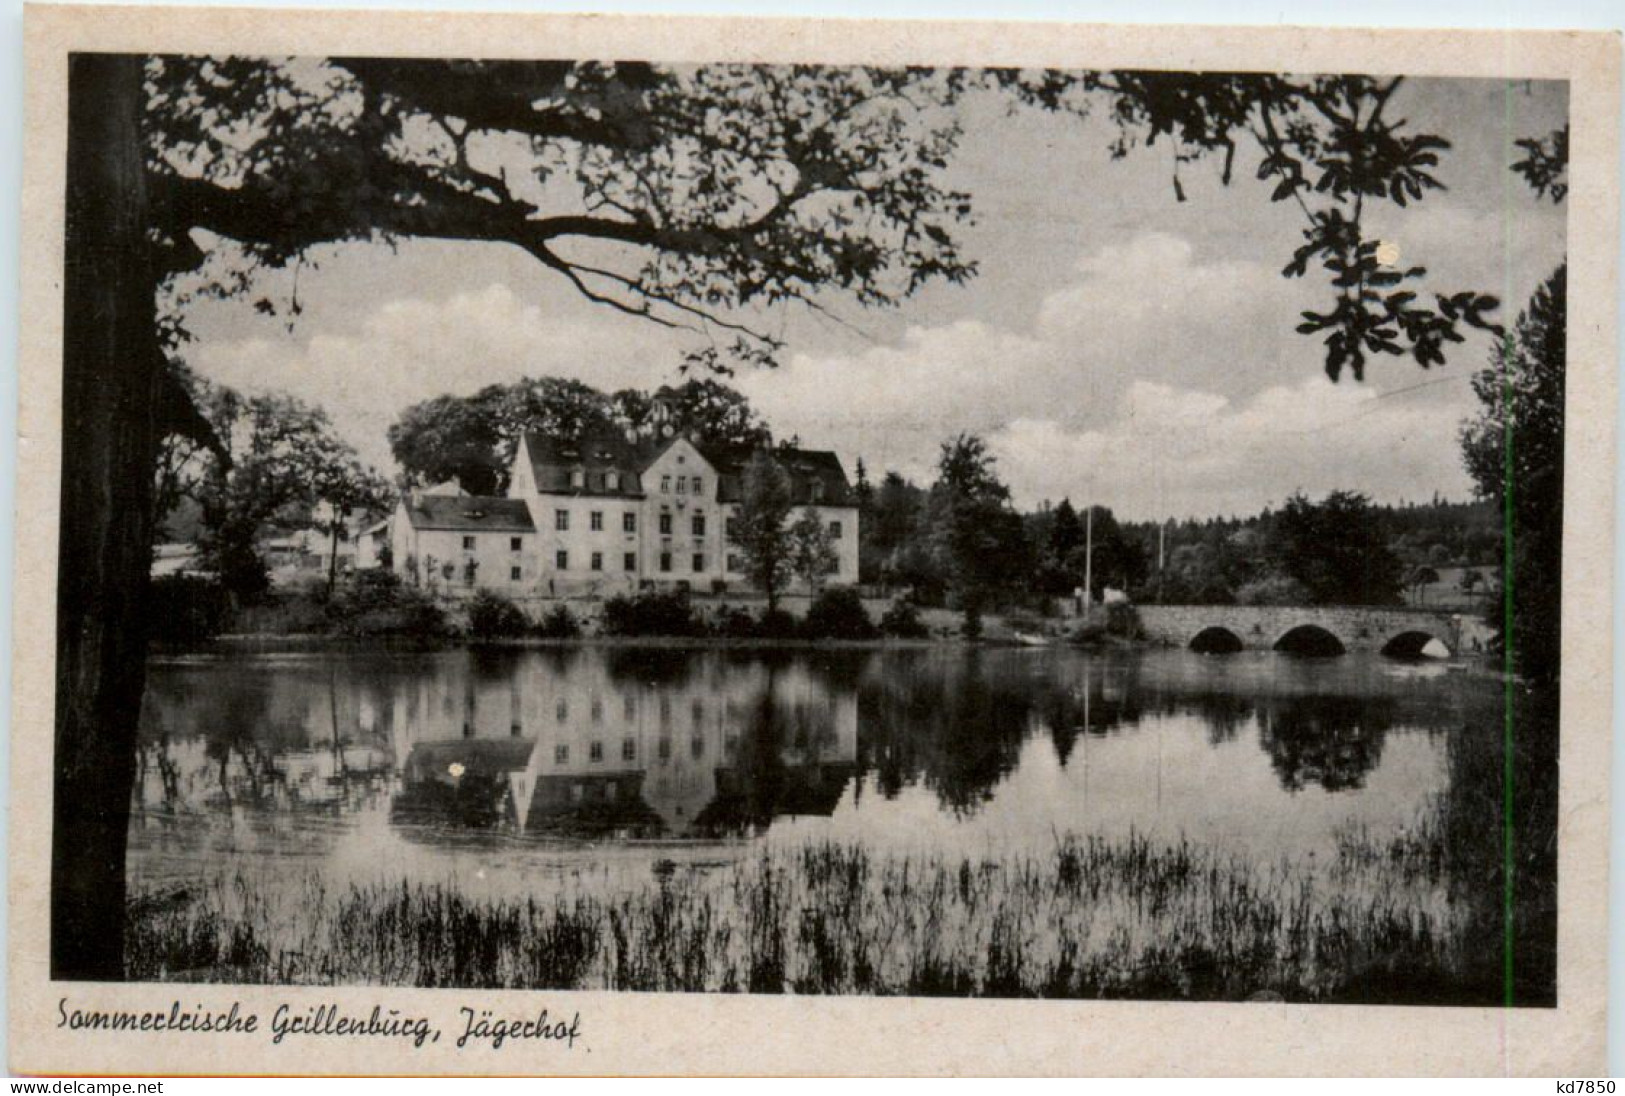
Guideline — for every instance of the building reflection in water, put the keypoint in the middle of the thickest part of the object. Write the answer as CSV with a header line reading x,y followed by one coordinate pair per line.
x,y
552,743
689,743
719,749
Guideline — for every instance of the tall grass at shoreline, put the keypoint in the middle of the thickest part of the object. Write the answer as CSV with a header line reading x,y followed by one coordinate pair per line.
x,y
1091,918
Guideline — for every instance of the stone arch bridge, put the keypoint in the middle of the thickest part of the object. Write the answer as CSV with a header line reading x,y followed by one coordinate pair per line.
x,y
1315,629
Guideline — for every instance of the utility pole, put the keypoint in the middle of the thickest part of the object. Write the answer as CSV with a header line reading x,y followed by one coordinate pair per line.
x,y
1089,563
1162,532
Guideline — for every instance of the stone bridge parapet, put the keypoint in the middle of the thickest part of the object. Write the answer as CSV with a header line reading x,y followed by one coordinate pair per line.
x,y
1356,628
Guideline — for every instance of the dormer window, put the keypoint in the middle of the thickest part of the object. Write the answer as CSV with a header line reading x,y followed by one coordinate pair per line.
x,y
818,490
578,478
612,481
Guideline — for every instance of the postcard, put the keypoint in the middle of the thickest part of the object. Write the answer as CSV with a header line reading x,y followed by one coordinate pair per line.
x,y
588,545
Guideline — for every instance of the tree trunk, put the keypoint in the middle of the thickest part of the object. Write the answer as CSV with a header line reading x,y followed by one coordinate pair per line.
x,y
112,389
333,560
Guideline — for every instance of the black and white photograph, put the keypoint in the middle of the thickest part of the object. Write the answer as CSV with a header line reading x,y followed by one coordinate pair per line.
x,y
596,523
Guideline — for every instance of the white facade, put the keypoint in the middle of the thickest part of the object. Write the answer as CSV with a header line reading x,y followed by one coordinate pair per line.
x,y
441,554
615,523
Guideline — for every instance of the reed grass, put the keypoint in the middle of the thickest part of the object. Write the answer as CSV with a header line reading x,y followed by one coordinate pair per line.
x,y
1091,918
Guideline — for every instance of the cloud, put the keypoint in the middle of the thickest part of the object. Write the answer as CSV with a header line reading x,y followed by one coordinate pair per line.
x,y
1238,414
1175,452
411,349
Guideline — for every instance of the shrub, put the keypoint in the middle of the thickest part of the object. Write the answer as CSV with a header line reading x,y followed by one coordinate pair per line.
x,y
285,614
776,624
652,613
837,613
559,623
1123,619
902,620
376,602
187,609
492,616
734,622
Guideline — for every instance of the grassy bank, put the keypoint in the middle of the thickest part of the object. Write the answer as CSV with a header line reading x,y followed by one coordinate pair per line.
x,y
1130,918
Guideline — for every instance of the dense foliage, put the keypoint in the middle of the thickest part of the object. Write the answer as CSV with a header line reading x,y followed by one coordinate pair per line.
x,y
473,438
1514,452
492,616
837,613
760,531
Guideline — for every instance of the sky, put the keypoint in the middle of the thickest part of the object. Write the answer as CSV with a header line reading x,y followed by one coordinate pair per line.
x,y
1117,346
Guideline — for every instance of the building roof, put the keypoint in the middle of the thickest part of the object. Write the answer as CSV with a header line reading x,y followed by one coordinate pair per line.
x,y
553,461
479,756
816,475
469,513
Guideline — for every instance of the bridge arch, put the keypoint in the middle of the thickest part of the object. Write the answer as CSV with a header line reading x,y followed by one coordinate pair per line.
x,y
1415,644
1216,639
1310,640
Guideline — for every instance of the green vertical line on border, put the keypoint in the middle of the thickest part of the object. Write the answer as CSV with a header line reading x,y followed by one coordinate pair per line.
x,y
1508,623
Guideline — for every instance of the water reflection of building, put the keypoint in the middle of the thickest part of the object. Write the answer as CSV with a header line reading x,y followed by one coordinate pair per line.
x,y
599,747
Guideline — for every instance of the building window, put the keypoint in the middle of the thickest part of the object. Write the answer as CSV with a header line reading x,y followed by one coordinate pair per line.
x,y
665,525
561,520
699,525
629,562
665,561
515,574
561,754
597,710
696,746
598,561
629,708
664,749
731,526
682,485
699,562
595,752
665,485
578,478
595,521
612,481
629,523
562,560
817,490
561,709
468,544
629,749
516,543
733,562
834,530
697,485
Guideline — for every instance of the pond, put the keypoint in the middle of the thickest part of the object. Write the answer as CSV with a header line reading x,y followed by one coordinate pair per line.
x,y
505,769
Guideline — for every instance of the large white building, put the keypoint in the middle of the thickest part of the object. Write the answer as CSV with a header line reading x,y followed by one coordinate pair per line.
x,y
606,516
